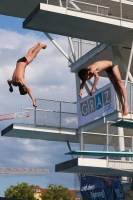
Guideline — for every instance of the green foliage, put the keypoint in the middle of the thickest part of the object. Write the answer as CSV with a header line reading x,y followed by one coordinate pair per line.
x,y
56,192
21,191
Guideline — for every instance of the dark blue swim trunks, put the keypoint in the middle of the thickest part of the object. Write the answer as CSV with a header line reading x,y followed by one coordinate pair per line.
x,y
109,70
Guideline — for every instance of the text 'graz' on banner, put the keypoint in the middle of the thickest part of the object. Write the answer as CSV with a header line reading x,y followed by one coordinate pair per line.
x,y
101,103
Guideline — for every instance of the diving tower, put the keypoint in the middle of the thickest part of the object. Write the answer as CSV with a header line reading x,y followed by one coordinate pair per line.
x,y
109,24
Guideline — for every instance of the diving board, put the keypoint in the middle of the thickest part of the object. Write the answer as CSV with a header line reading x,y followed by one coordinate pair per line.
x,y
100,153
62,21
124,123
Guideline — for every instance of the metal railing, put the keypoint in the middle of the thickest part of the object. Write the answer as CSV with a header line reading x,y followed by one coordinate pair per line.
x,y
93,7
110,142
108,8
81,47
52,113
63,114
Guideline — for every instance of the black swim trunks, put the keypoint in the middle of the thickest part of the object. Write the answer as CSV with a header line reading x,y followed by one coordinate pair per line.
x,y
23,60
109,70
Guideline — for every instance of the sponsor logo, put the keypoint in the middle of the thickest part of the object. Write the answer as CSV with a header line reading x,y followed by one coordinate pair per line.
x,y
100,100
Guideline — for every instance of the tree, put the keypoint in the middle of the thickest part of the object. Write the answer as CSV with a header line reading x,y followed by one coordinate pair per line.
x,y
57,192
21,191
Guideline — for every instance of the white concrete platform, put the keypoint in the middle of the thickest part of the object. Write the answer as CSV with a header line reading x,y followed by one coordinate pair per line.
x,y
95,166
59,20
103,52
41,133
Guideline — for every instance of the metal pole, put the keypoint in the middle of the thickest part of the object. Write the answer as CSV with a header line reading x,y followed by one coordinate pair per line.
x,y
132,147
35,116
67,4
60,114
81,139
120,130
91,84
129,65
131,94
77,80
87,88
21,114
60,3
60,49
123,64
80,48
121,10
79,55
107,140
68,144
74,5
97,46
72,48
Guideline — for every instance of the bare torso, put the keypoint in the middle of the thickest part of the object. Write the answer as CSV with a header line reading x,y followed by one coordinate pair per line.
x,y
100,65
18,73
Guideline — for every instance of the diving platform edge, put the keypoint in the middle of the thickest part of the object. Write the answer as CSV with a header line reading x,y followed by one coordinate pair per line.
x,y
62,21
41,133
92,166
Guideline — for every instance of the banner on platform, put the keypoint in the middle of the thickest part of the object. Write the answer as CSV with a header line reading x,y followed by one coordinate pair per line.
x,y
101,103
95,188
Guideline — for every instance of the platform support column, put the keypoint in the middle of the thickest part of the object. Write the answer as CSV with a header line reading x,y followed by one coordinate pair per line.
x,y
120,130
81,139
107,141
132,148
124,64
77,79
129,64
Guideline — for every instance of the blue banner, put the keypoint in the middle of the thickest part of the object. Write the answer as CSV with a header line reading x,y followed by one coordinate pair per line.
x,y
101,188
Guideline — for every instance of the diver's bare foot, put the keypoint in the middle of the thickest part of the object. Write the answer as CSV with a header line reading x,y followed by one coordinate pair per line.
x,y
44,46
125,110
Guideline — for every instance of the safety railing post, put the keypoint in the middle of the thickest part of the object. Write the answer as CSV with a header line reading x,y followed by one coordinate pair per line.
x,y
107,145
22,114
121,10
132,148
60,114
67,4
131,94
35,116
